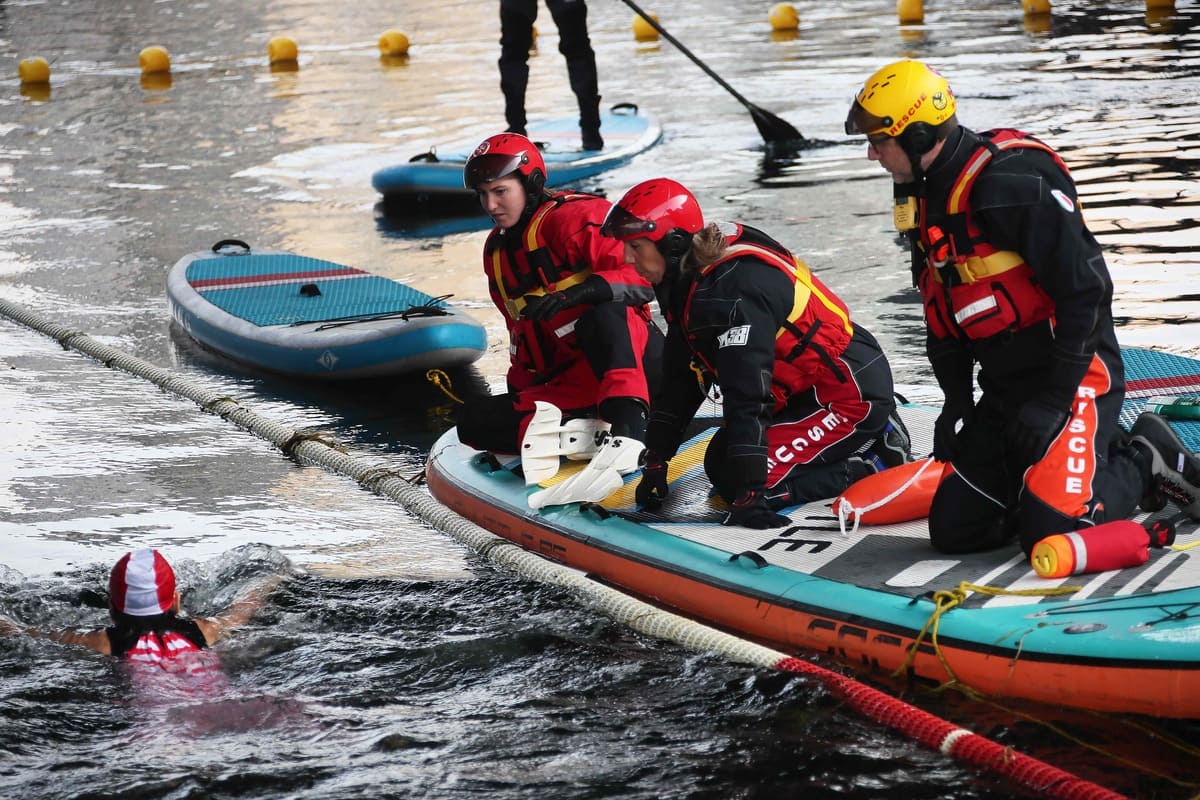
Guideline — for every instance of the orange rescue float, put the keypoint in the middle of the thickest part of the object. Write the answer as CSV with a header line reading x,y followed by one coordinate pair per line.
x,y
898,494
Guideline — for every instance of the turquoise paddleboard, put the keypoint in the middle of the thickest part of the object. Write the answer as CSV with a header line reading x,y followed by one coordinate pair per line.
x,y
310,318
436,177
1119,641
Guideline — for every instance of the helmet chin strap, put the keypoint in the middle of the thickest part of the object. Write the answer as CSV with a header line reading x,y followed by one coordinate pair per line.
x,y
917,170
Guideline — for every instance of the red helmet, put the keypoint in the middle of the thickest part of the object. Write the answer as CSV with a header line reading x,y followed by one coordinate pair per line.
x,y
506,154
651,210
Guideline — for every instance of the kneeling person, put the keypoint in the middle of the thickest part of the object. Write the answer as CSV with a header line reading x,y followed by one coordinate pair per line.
x,y
807,394
580,335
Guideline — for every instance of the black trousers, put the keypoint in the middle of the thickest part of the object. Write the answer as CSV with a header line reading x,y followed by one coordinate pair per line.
x,y
987,503
516,37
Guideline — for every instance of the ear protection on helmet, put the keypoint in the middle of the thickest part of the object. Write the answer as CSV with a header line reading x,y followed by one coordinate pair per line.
x,y
917,139
677,242
673,246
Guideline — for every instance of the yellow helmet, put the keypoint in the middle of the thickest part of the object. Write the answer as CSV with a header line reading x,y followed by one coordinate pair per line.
x,y
907,100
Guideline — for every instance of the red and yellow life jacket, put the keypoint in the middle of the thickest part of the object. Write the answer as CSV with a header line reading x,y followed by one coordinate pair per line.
x,y
816,332
972,289
535,270
536,350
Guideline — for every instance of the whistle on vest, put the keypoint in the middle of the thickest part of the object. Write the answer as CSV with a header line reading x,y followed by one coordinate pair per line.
x,y
904,213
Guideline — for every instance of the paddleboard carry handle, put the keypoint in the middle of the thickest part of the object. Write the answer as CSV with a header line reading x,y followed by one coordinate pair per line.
x,y
749,555
225,247
621,108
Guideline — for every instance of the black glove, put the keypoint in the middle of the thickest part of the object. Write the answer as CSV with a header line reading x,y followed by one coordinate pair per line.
x,y
591,291
945,437
542,307
750,510
953,366
652,489
1035,426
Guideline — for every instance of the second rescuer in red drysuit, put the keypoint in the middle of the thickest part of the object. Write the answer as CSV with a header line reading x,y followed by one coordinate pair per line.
x,y
580,335
807,394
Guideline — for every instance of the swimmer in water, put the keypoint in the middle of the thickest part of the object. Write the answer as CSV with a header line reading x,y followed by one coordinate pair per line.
x,y
145,606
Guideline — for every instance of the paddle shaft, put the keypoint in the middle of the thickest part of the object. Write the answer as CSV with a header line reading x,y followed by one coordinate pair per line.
x,y
654,24
775,131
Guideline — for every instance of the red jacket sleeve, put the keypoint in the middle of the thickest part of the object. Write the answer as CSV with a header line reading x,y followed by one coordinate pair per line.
x,y
572,231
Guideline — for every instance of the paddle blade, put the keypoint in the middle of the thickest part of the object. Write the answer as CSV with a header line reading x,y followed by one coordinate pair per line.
x,y
775,131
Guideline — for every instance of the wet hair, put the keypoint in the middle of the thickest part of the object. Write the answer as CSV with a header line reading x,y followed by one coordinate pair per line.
x,y
707,246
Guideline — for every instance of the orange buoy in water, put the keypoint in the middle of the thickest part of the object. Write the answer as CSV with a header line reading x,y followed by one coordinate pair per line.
x,y
1113,545
898,494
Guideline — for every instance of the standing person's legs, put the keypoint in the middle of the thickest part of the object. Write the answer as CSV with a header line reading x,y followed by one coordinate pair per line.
x,y
571,18
516,37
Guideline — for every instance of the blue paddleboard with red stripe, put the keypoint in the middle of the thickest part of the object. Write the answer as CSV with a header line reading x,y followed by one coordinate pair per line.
x,y
310,318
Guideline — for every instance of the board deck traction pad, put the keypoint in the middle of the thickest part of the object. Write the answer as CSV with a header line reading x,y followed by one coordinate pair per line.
x,y
269,289
897,558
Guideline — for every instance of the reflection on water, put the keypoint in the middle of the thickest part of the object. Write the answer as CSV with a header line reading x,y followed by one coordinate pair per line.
x,y
408,667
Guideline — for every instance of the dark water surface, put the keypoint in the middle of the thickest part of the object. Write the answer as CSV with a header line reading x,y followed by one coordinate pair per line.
x,y
396,664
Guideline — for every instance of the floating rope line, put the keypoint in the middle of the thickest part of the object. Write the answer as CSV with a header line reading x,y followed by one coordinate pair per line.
x,y
933,732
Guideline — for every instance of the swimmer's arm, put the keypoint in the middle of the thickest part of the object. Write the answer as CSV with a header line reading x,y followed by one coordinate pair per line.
x,y
95,639
240,611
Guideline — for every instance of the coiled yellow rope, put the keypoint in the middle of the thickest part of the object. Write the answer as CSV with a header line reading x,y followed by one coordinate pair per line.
x,y
442,381
946,599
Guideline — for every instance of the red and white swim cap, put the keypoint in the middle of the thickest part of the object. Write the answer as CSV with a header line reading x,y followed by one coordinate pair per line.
x,y
142,584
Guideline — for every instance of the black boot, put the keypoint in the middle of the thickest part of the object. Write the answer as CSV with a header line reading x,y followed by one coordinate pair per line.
x,y
1174,470
627,415
589,123
893,447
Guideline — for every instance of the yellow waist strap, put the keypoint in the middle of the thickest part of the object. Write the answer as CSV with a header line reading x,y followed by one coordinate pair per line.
x,y
976,268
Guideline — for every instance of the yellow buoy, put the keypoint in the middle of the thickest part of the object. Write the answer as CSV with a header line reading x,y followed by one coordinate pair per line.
x,y
393,43
911,12
34,70
280,49
783,17
154,59
643,31
1160,4
1035,7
